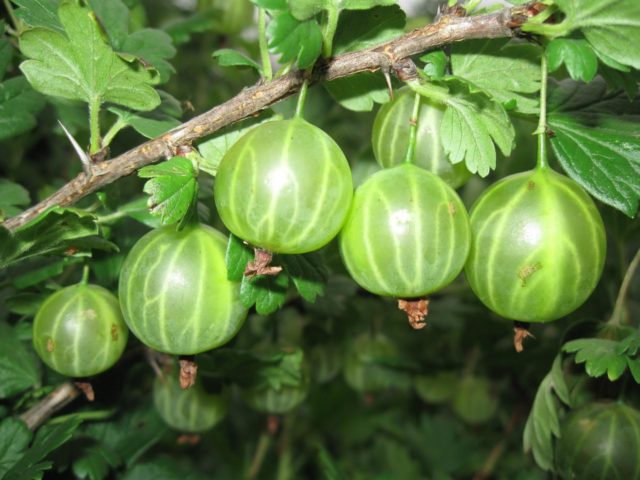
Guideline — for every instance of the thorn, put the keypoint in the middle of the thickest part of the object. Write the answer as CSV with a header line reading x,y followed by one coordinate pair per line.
x,y
87,165
387,78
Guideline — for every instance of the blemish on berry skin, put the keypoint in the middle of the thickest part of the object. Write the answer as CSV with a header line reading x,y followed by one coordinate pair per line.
x,y
531,185
452,209
528,270
50,345
114,332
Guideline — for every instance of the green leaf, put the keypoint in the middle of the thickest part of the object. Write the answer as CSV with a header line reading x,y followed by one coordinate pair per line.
x,y
634,368
507,72
363,29
543,422
149,46
237,256
53,231
19,103
576,54
601,153
271,4
599,356
156,122
610,26
295,41
436,64
47,439
304,9
267,292
307,272
14,439
38,275
228,57
6,50
620,81
359,92
127,437
12,197
173,188
95,462
79,65
39,13
213,149
19,367
470,126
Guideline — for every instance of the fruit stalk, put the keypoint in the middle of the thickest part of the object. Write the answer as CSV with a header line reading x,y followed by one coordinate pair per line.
x,y
413,129
267,72
541,131
302,97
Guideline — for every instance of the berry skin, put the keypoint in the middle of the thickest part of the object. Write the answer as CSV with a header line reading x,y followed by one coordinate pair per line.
x,y
390,138
538,246
79,331
600,441
192,410
285,187
175,294
407,234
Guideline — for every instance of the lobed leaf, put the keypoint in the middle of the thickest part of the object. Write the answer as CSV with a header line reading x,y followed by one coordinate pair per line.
x,y
19,104
39,13
543,423
173,188
47,439
471,124
294,40
79,65
267,292
308,274
610,26
53,231
577,56
507,72
599,355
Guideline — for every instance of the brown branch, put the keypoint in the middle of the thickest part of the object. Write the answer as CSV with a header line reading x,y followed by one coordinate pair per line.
x,y
447,29
56,400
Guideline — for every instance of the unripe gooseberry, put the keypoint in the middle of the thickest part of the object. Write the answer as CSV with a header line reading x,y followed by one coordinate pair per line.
x,y
390,138
79,331
285,186
538,246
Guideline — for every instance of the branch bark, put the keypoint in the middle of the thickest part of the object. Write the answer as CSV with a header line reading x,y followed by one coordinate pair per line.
x,y
448,29
56,400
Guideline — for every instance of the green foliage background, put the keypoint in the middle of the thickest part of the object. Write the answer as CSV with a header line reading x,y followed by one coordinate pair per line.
x,y
453,400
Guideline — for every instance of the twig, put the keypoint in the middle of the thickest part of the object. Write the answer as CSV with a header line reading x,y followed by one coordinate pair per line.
x,y
260,96
56,400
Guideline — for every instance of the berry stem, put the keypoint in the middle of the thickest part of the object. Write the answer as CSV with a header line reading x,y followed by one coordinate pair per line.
x,y
85,275
541,131
267,72
301,98
94,126
329,31
413,129
618,310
